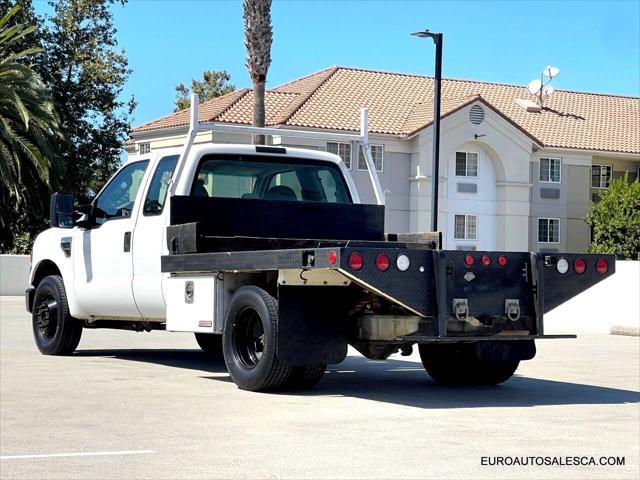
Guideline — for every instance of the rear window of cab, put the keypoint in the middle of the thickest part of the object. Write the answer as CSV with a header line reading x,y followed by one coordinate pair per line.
x,y
267,178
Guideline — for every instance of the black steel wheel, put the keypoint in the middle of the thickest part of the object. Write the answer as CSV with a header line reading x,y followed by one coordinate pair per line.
x,y
210,343
55,331
249,341
459,364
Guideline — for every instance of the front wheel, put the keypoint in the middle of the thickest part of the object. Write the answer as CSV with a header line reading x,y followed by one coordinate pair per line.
x,y
249,341
55,331
459,364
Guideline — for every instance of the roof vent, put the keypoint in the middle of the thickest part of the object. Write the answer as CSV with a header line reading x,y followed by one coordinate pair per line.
x,y
476,115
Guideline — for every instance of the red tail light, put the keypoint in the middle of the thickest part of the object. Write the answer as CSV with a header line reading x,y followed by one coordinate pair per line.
x,y
383,262
486,261
579,266
602,266
468,260
356,261
333,257
502,260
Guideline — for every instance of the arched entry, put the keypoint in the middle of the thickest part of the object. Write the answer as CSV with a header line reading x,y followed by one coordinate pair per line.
x,y
471,199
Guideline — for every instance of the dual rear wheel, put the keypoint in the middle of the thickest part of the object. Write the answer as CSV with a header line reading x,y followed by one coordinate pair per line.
x,y
248,345
459,364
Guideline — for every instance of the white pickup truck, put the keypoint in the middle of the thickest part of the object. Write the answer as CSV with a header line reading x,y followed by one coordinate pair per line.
x,y
267,255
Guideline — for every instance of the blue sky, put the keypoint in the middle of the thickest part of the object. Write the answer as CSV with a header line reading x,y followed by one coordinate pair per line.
x,y
595,44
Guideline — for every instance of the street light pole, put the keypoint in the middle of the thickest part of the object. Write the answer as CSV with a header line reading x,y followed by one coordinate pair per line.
x,y
435,177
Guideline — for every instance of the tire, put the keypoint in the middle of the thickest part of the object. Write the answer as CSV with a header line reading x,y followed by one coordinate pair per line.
x,y
458,364
304,378
249,341
210,343
55,331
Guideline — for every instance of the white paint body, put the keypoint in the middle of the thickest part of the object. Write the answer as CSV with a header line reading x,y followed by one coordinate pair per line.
x,y
102,281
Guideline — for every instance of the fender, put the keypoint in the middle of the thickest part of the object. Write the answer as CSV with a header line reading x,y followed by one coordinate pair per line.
x,y
49,255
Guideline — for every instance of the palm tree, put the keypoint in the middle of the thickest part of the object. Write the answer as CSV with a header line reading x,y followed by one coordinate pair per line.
x,y
29,130
258,36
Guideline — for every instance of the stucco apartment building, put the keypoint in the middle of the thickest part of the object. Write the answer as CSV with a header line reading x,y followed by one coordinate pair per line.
x,y
513,176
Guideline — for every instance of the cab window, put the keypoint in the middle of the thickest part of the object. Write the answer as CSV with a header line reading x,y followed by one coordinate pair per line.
x,y
157,192
118,197
265,178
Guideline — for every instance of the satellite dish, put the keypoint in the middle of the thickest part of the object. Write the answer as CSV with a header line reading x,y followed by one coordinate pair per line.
x,y
550,71
548,90
534,86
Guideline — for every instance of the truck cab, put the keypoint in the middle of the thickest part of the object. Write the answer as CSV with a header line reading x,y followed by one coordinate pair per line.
x,y
110,259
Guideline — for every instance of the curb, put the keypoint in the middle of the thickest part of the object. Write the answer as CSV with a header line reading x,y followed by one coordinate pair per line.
x,y
626,331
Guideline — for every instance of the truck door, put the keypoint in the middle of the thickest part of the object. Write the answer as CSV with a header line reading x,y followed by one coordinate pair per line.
x,y
103,267
149,241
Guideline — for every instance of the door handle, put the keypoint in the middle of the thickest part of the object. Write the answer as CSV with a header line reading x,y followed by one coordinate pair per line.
x,y
127,241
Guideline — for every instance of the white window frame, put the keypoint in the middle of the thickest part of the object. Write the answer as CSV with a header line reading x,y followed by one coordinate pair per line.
x,y
466,166
144,148
600,165
360,152
550,159
538,230
348,165
466,226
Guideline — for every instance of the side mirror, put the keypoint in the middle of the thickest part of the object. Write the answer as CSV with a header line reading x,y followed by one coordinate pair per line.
x,y
85,218
61,211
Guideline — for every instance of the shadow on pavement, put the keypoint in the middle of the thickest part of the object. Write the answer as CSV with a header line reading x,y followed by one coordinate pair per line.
x,y
400,382
189,359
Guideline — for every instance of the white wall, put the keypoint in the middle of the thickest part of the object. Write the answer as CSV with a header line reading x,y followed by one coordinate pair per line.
x,y
14,274
612,302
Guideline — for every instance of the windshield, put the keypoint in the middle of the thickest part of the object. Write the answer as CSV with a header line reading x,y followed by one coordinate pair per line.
x,y
289,179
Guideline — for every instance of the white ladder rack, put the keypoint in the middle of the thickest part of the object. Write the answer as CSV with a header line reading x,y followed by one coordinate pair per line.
x,y
362,140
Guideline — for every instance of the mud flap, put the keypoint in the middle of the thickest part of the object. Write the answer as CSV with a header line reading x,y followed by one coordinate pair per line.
x,y
311,324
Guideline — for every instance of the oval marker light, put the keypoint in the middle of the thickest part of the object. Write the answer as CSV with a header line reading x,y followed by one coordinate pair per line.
x,y
562,266
468,260
579,266
486,261
502,260
403,263
383,262
333,257
602,266
356,261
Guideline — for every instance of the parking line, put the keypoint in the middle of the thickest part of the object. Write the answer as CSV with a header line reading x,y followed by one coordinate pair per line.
x,y
77,454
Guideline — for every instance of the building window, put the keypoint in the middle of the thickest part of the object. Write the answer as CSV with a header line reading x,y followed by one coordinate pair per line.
x,y
466,164
600,176
376,154
343,150
465,227
548,230
550,170
144,148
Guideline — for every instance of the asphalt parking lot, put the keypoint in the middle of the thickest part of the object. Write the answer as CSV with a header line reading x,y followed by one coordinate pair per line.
x,y
151,405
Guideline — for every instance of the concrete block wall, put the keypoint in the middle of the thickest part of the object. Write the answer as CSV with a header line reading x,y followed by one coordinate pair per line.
x,y
14,274
614,302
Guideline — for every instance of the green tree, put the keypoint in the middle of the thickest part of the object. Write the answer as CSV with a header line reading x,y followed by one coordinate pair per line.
x,y
615,220
86,73
258,36
214,83
29,135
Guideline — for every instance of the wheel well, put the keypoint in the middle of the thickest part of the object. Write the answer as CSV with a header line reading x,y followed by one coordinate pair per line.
x,y
44,269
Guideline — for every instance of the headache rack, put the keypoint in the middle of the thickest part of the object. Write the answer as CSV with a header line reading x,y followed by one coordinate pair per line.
x,y
361,139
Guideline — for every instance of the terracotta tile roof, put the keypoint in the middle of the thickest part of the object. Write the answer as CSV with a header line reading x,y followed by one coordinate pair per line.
x,y
400,105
